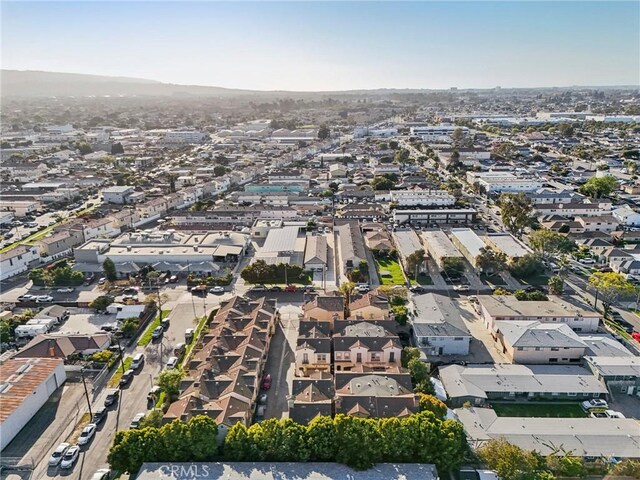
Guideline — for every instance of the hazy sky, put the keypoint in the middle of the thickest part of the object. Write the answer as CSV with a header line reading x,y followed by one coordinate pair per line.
x,y
332,45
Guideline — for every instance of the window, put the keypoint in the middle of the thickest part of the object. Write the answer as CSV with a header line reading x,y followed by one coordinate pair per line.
x,y
458,339
376,357
358,357
572,394
347,355
538,349
338,355
553,360
322,357
554,349
520,349
305,358
392,357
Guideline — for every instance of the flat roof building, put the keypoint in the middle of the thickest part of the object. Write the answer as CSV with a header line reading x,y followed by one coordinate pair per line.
x,y
438,245
468,243
507,244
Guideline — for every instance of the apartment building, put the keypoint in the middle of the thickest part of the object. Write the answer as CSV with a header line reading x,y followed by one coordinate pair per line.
x,y
365,345
439,247
313,348
422,198
445,216
468,243
17,260
222,375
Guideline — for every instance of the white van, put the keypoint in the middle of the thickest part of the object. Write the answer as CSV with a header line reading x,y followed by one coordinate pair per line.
x,y
137,362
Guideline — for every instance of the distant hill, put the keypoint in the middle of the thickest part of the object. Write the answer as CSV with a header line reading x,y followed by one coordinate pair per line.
x,y
16,83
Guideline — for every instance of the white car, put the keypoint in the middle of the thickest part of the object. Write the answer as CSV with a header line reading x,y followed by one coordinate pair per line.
x,y
44,298
216,290
102,474
58,453
595,403
461,288
363,288
70,457
65,290
87,434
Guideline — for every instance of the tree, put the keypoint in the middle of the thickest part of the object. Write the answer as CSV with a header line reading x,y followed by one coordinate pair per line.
x,y
453,267
548,243
320,438
565,129
152,419
530,296
509,461
401,156
347,288
203,432
130,326
457,136
429,403
490,261
556,285
527,266
609,286
414,262
219,170
418,370
357,441
505,150
382,183
101,303
323,132
597,187
238,445
516,212
84,148
109,269
169,382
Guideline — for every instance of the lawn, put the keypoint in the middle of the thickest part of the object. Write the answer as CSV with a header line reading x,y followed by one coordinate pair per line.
x,y
531,409
537,280
145,339
117,375
389,271
492,280
423,279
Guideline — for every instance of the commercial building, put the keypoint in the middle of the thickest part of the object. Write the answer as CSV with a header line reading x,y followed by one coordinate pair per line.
x,y
494,308
496,182
592,438
315,253
445,216
283,245
468,243
478,384
438,327
422,198
20,208
25,386
119,195
437,133
184,137
439,247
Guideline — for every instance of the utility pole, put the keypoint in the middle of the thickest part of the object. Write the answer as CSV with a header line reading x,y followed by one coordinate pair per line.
x,y
86,392
120,353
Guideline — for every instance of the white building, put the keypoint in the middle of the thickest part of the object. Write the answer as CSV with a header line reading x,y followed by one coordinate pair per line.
x,y
363,131
439,216
626,216
414,198
437,133
20,208
468,243
503,182
438,245
16,260
25,386
438,327
118,194
184,137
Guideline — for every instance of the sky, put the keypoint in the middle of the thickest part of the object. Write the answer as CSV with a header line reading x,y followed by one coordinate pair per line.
x,y
335,45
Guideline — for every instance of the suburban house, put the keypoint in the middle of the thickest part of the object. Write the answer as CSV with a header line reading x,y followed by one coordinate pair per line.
x,y
626,216
378,241
53,312
351,242
493,308
311,397
478,384
17,260
315,253
324,308
60,243
370,306
64,346
374,395
313,348
601,223
365,345
533,342
438,327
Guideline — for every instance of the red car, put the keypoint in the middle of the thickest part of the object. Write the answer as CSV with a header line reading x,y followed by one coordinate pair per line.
x,y
636,336
266,382
290,288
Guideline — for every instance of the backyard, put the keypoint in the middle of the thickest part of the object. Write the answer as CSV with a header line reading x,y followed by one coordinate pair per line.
x,y
531,409
389,271
493,280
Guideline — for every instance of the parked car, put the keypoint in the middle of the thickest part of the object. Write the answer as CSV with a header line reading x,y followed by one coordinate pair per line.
x,y
135,423
363,288
172,363
262,399
258,288
199,290
26,298
216,290
102,281
275,288
65,290
188,334
102,474
70,457
291,288
99,415
173,279
126,378
58,453
587,261
461,288
595,403
137,361
157,332
44,298
266,382
112,397
87,434
417,289
165,322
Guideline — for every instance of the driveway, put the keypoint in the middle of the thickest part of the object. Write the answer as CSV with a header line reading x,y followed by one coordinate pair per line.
x,y
483,349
